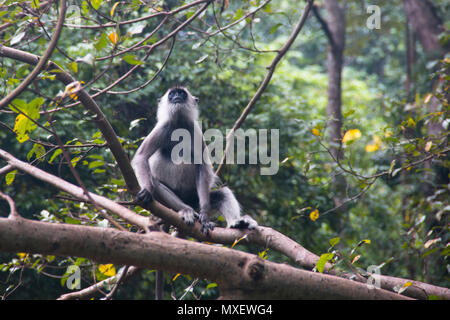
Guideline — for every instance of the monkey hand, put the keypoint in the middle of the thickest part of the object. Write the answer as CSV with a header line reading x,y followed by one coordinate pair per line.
x,y
207,225
144,196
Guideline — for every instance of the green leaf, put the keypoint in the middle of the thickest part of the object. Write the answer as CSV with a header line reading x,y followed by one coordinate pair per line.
x,y
35,4
211,285
55,154
74,161
334,241
95,164
274,28
9,178
73,66
38,150
324,258
96,3
131,59
102,42
23,124
18,103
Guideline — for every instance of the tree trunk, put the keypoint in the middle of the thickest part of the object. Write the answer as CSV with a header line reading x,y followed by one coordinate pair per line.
x,y
426,24
336,26
336,34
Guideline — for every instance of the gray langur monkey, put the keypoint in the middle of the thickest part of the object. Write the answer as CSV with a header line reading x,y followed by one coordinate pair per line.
x,y
185,187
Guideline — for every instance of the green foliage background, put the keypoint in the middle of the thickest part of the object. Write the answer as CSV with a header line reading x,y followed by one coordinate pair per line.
x,y
394,214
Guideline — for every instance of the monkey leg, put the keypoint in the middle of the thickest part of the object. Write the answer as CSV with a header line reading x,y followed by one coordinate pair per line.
x,y
167,197
224,201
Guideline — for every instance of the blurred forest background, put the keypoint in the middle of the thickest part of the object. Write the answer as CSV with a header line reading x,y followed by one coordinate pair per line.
x,y
381,186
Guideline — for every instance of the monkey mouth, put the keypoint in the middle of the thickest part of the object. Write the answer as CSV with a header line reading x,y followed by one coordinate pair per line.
x,y
178,100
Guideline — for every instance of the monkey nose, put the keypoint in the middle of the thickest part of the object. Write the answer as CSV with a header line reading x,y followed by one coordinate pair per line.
x,y
178,98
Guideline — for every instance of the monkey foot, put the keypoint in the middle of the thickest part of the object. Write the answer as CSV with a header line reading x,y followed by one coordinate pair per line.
x,y
245,222
188,215
207,225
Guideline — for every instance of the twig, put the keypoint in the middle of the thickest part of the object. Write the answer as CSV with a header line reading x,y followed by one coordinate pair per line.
x,y
13,214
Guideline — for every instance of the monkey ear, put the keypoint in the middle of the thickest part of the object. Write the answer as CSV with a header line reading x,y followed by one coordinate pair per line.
x,y
196,99
159,100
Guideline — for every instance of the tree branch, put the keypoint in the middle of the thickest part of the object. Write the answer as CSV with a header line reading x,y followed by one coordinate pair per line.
x,y
262,236
78,192
238,274
323,24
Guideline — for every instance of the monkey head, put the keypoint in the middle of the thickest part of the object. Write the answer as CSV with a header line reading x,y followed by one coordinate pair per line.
x,y
176,101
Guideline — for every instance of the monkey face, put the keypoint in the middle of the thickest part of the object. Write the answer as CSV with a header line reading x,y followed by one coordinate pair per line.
x,y
177,95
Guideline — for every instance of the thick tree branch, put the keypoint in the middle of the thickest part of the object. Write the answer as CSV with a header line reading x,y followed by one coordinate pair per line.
x,y
238,274
124,213
262,236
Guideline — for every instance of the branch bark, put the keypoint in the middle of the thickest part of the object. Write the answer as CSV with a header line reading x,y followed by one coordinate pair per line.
x,y
238,274
261,236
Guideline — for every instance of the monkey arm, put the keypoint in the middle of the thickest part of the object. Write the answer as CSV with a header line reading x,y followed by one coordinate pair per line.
x,y
140,160
203,184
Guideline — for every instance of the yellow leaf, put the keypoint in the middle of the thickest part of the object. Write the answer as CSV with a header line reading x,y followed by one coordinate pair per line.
x,y
366,241
427,98
22,255
407,284
113,9
113,37
107,269
238,240
377,143
351,134
21,128
176,276
314,215
428,146
316,132
388,133
72,90
411,122
372,147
